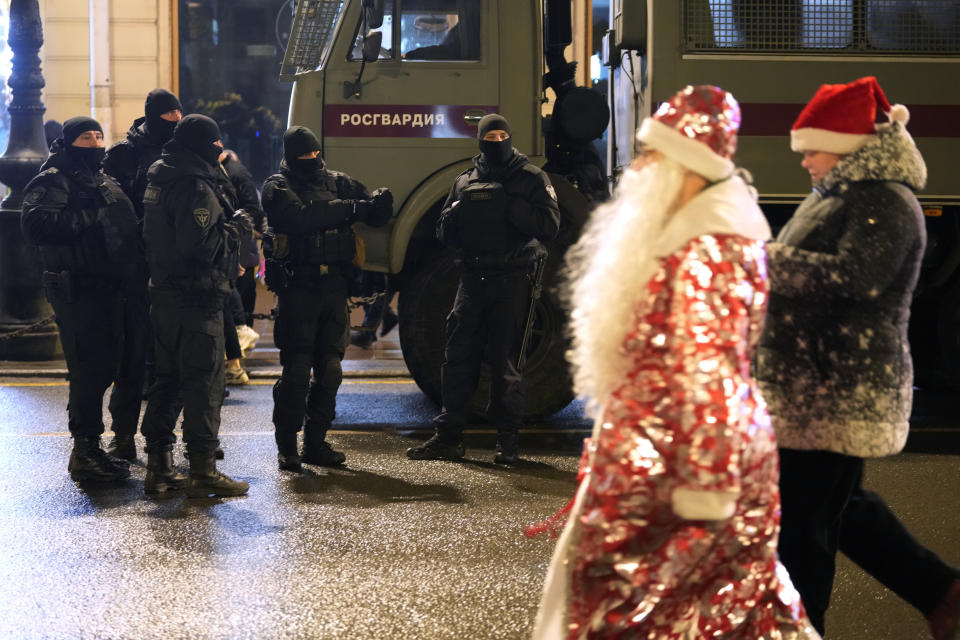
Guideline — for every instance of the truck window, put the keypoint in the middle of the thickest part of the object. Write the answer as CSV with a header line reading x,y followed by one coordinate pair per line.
x,y
797,26
386,45
440,30
311,36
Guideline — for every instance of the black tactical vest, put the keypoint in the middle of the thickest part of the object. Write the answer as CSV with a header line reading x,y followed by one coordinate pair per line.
x,y
482,217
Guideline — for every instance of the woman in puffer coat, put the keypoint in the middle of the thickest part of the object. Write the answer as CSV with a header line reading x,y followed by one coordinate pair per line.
x,y
834,362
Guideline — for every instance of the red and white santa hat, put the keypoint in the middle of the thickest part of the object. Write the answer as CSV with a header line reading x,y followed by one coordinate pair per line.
x,y
841,118
697,127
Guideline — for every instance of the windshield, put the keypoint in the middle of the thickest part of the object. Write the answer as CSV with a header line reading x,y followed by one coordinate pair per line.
x,y
311,36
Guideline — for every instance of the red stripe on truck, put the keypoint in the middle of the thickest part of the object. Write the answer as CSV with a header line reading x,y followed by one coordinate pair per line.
x,y
775,119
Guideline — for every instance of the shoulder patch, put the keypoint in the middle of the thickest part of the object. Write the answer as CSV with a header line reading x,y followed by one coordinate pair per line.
x,y
36,195
151,195
202,216
552,192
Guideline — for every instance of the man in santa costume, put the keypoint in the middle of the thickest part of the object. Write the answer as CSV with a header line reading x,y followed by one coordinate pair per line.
x,y
672,532
834,363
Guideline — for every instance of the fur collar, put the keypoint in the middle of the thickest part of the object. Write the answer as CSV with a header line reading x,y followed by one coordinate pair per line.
x,y
892,155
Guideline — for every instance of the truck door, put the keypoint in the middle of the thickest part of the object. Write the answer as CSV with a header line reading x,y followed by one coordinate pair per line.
x,y
415,110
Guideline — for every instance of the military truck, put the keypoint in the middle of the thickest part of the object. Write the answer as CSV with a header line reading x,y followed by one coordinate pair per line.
x,y
395,89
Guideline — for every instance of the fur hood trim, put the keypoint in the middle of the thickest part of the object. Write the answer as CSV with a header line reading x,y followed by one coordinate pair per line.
x,y
892,155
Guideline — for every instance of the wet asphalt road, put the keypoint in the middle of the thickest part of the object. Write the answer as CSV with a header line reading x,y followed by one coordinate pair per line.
x,y
384,548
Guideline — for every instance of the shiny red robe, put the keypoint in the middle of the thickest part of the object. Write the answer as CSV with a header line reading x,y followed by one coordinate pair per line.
x,y
687,416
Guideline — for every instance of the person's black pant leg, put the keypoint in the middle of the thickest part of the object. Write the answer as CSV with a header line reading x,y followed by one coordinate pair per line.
x,y
231,341
466,338
201,364
333,333
508,297
126,397
815,487
90,334
163,404
873,537
294,332
247,288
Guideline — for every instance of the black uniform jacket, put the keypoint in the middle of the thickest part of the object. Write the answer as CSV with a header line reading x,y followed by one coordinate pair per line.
x,y
531,214
82,222
190,248
128,161
237,178
296,203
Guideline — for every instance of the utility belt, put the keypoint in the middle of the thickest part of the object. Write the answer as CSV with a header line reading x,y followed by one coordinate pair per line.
x,y
187,297
279,276
68,285
513,261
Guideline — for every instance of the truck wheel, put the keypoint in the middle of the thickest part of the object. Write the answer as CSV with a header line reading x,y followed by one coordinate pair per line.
x,y
425,301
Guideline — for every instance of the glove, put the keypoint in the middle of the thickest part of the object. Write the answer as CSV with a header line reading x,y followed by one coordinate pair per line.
x,y
361,210
382,200
242,222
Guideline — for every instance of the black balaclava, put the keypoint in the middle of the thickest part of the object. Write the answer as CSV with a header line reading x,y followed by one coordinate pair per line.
x,y
52,130
159,101
299,141
496,153
89,157
198,133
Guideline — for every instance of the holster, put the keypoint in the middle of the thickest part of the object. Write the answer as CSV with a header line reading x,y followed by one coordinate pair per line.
x,y
60,283
275,275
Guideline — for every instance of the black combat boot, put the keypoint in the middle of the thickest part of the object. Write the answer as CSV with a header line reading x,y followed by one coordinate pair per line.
x,y
317,451
161,476
89,462
123,446
437,448
206,481
507,448
288,459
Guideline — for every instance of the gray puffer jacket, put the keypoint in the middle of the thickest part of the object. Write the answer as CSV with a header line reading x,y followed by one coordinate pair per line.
x,y
834,362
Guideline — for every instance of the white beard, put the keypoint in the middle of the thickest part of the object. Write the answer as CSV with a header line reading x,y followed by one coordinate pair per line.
x,y
617,246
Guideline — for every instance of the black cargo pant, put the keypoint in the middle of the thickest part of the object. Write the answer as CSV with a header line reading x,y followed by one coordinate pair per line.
x,y
311,331
188,341
91,328
825,509
486,323
127,394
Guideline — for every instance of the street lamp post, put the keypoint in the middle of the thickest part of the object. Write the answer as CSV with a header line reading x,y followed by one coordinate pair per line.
x,y
22,302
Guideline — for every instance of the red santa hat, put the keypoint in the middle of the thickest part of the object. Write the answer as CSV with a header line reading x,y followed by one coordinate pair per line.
x,y
697,127
841,117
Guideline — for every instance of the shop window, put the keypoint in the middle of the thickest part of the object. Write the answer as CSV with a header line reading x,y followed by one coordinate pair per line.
x,y
229,56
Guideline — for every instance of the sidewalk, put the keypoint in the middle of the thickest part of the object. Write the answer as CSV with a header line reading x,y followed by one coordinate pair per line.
x,y
382,360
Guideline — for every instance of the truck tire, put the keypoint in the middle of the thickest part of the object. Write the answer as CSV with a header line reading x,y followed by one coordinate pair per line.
x,y
427,296
425,301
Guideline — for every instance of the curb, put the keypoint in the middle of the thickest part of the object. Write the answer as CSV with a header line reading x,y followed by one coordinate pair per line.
x,y
259,374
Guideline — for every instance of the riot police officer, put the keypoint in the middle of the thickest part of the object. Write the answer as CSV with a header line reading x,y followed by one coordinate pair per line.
x,y
495,217
89,242
127,161
310,210
192,247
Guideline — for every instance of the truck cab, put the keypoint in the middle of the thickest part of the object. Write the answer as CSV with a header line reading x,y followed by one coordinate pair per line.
x,y
395,89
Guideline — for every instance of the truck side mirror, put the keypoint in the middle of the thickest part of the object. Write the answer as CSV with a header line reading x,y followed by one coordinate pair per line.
x,y
371,46
373,12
